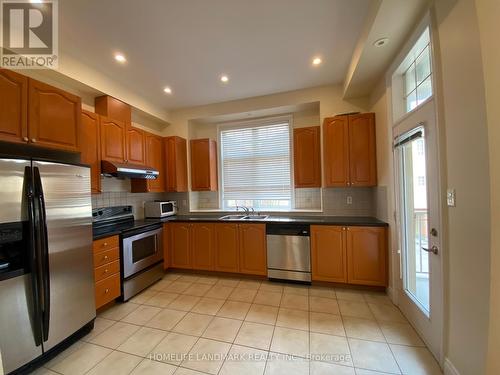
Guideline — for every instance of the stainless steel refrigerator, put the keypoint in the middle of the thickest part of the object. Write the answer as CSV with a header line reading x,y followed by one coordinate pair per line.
x,y
46,272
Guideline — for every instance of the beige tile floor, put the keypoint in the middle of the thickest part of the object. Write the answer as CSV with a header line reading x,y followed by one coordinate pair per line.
x,y
190,324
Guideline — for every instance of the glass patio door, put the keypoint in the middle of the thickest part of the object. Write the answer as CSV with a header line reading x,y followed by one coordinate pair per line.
x,y
418,218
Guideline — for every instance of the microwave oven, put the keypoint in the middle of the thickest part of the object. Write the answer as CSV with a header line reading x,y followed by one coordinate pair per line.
x,y
159,209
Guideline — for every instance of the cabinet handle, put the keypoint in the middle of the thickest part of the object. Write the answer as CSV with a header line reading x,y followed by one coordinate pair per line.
x,y
33,140
348,229
343,228
105,271
105,244
105,257
106,291
26,139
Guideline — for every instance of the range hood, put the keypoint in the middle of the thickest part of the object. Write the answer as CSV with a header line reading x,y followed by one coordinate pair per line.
x,y
128,170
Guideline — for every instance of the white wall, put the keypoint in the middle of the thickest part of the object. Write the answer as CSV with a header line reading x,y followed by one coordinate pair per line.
x,y
464,148
463,113
489,28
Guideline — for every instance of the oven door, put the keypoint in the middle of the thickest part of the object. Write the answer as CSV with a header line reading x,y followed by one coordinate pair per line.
x,y
141,251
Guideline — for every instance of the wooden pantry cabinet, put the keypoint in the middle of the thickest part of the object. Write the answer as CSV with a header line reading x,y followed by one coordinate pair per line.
x,y
307,157
203,164
106,270
349,254
223,247
90,148
39,114
175,149
349,148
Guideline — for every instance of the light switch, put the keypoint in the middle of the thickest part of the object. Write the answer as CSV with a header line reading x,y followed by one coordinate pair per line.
x,y
349,200
450,197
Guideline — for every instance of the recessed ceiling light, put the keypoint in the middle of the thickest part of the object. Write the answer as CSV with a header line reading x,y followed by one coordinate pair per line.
x,y
317,61
120,58
224,78
167,90
381,42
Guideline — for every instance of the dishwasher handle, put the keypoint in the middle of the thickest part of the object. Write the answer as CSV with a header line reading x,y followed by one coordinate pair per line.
x,y
288,230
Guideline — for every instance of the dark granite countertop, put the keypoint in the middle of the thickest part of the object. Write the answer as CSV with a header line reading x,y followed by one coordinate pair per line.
x,y
272,219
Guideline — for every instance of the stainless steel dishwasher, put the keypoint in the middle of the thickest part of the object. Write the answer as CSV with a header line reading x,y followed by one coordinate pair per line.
x,y
288,252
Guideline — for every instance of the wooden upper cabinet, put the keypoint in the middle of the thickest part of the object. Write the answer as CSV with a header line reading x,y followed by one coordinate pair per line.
x,y
349,148
253,252
175,149
154,159
362,150
367,255
226,257
180,253
328,253
13,107
307,157
136,153
90,148
54,117
113,108
336,151
203,165
202,246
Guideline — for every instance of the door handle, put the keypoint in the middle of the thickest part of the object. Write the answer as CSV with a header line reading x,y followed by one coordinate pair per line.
x,y
434,250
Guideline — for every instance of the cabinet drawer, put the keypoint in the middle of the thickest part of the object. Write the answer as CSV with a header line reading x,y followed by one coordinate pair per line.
x,y
105,257
105,244
107,290
107,270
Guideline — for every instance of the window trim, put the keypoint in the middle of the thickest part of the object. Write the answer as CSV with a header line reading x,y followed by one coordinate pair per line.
x,y
263,121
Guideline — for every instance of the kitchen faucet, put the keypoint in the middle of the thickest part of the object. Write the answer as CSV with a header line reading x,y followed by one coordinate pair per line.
x,y
244,208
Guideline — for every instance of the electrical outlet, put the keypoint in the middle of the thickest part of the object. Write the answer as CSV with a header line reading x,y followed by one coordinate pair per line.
x,y
349,200
451,197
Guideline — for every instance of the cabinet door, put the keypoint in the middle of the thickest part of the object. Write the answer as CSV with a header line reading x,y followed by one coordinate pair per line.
x,y
167,242
328,253
203,165
180,245
336,151
113,134
54,117
253,252
226,248
90,148
176,164
154,158
367,255
362,150
202,246
13,107
135,146
307,159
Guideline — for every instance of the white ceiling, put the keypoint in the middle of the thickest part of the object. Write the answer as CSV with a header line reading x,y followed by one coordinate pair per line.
x,y
265,46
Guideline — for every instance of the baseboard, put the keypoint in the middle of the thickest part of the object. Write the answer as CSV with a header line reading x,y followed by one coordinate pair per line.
x,y
449,369
392,296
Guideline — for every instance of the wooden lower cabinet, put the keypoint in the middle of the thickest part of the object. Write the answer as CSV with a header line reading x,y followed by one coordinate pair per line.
x,y
202,246
367,255
253,251
352,255
106,270
328,253
180,253
223,247
226,247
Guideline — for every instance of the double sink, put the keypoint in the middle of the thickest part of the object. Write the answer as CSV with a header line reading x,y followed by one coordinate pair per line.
x,y
243,217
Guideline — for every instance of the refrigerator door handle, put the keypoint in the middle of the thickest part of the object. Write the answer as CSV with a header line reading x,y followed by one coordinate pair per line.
x,y
33,257
44,247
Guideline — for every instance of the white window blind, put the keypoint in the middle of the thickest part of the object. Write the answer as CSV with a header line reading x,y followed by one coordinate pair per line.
x,y
256,166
